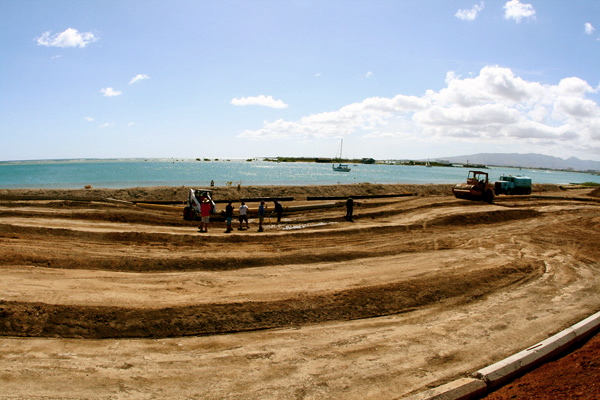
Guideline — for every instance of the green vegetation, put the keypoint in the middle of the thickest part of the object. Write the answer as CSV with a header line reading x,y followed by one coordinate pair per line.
x,y
292,159
424,163
322,160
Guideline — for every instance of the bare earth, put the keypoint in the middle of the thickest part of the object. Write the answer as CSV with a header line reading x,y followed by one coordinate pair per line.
x,y
576,376
109,300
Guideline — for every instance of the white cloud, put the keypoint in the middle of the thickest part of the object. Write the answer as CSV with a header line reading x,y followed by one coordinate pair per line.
x,y
493,106
574,87
364,116
516,10
68,38
369,74
89,119
469,14
589,28
138,77
441,116
493,85
578,108
266,101
110,92
107,125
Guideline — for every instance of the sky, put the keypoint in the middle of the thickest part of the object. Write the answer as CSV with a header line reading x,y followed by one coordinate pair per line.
x,y
395,79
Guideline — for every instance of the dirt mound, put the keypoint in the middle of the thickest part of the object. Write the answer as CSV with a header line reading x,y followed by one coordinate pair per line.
x,y
221,193
488,217
38,319
595,192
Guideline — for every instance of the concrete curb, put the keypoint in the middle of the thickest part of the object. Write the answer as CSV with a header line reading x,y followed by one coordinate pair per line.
x,y
463,388
496,375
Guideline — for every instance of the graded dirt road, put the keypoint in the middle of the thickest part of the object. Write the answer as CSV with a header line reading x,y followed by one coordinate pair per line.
x,y
105,300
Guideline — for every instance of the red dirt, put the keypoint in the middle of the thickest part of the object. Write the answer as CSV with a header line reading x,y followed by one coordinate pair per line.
x,y
574,376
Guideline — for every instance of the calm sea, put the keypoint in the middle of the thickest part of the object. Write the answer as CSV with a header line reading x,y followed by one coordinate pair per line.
x,y
76,174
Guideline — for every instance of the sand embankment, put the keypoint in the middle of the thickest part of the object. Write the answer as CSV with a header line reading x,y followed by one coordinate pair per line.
x,y
174,194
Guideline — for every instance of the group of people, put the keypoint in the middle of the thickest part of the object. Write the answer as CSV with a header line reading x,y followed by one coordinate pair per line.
x,y
206,208
243,215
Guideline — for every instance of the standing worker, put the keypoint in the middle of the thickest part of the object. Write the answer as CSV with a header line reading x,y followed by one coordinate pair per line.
x,y
349,209
205,209
262,210
243,216
278,210
228,216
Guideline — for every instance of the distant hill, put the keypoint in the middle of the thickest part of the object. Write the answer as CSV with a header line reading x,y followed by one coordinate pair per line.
x,y
530,160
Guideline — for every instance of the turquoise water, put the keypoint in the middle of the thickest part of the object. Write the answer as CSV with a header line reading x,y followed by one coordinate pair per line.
x,y
75,174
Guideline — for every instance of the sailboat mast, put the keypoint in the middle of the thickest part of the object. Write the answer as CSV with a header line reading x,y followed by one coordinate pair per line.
x,y
341,167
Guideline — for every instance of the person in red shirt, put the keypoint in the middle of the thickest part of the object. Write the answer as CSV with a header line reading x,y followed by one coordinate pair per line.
x,y
205,209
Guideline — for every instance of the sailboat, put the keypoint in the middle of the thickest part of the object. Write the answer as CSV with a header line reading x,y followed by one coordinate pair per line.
x,y
341,167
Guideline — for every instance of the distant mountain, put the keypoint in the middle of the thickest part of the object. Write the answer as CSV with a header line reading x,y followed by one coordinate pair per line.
x,y
530,160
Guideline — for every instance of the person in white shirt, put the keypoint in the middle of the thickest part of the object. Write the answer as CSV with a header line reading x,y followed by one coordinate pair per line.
x,y
243,216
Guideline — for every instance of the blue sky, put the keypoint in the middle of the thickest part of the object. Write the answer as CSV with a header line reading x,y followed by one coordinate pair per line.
x,y
396,79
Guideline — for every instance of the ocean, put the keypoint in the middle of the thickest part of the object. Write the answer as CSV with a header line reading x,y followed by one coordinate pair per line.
x,y
125,173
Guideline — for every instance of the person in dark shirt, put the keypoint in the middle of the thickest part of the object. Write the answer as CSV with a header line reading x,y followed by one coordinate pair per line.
x,y
228,216
262,211
278,210
349,209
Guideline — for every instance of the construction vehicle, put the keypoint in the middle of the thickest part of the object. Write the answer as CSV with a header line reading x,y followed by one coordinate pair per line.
x,y
509,184
191,211
477,187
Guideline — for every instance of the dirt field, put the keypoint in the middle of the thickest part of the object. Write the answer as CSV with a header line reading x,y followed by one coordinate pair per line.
x,y
110,300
